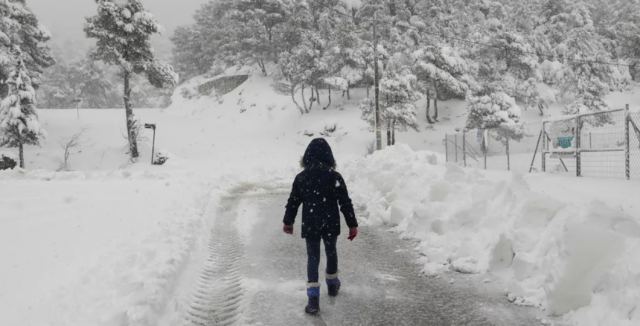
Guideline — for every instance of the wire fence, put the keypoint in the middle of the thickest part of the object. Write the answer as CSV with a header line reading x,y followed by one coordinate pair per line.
x,y
601,144
586,145
479,148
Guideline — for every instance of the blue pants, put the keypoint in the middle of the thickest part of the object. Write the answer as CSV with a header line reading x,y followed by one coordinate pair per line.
x,y
313,256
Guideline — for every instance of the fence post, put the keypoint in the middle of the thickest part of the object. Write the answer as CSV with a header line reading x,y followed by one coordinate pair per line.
x,y
464,147
535,152
446,147
508,158
456,145
543,148
578,132
627,147
485,146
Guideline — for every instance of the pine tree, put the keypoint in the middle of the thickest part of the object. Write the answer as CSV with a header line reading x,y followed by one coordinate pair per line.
x,y
567,31
497,111
123,30
19,124
23,57
397,102
440,69
256,31
22,34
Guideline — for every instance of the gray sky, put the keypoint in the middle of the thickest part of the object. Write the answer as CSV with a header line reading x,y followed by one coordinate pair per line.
x,y
65,19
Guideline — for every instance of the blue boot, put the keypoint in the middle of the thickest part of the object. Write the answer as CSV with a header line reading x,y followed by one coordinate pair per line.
x,y
313,292
333,284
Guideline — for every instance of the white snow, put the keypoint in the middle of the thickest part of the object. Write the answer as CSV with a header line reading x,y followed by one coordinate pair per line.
x,y
573,253
111,242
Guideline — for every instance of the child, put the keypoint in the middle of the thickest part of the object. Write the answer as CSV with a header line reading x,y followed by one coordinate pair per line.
x,y
319,188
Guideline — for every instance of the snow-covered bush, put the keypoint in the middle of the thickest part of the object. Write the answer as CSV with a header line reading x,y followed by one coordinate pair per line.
x,y
160,158
7,162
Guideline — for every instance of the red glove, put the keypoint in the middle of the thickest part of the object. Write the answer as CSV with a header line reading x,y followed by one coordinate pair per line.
x,y
353,233
288,229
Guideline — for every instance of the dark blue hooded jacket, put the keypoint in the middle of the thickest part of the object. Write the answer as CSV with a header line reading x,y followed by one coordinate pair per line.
x,y
320,189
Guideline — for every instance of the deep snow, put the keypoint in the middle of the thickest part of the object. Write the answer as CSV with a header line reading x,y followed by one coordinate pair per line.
x,y
115,243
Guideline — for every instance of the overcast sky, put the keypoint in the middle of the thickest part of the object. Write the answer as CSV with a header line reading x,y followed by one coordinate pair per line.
x,y
65,18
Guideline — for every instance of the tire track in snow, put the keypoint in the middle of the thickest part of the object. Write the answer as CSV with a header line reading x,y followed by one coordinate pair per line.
x,y
218,294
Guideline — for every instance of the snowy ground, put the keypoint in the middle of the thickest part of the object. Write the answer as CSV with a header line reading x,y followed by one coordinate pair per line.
x,y
115,243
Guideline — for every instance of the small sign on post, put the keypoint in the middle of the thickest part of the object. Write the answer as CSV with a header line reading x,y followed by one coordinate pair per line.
x,y
153,144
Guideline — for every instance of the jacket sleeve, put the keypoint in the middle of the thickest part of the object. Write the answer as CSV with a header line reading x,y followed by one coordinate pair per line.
x,y
295,199
346,207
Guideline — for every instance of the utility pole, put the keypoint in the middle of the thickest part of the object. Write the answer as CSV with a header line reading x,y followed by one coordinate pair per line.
x,y
377,83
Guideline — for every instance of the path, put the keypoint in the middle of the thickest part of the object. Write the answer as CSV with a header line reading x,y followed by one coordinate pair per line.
x,y
255,274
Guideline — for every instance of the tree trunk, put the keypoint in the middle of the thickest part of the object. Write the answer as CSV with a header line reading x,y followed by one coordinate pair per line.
x,y
435,101
393,132
131,119
329,96
368,87
21,154
388,132
429,120
262,66
318,96
293,97
304,101
348,92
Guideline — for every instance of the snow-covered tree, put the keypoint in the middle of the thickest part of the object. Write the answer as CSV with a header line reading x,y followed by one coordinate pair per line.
x,y
567,34
198,46
256,31
123,30
398,95
439,69
19,124
22,38
305,68
497,111
23,57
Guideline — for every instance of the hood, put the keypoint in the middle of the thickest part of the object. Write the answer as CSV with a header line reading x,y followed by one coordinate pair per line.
x,y
318,154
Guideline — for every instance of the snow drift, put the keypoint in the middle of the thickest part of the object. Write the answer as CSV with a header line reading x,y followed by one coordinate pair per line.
x,y
573,259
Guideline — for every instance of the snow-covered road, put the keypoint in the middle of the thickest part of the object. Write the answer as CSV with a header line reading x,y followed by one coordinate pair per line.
x,y
255,275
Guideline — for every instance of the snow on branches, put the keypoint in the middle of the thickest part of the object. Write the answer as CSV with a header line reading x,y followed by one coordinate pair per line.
x,y
397,98
19,124
123,32
495,111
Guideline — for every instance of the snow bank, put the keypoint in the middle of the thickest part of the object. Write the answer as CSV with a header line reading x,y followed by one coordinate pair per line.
x,y
575,260
95,248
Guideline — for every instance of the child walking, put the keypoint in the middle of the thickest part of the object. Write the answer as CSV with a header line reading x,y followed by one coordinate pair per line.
x,y
320,190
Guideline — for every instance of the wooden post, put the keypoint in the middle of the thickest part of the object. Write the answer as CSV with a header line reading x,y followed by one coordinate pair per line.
x,y
376,81
543,149
446,147
455,144
535,152
485,146
508,158
627,149
464,147
578,132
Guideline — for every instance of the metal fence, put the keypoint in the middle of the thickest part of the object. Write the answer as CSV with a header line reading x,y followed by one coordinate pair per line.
x,y
479,148
602,144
